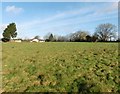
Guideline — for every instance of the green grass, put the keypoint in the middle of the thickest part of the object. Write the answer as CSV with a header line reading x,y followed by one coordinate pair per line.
x,y
60,67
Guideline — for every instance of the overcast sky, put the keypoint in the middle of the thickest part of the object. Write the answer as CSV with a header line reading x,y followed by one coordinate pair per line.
x,y
59,18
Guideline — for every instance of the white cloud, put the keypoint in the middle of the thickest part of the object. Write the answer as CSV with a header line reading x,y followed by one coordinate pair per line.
x,y
13,9
113,7
59,16
2,27
95,12
107,9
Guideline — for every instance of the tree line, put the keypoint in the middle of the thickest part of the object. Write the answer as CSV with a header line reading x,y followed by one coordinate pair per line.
x,y
103,33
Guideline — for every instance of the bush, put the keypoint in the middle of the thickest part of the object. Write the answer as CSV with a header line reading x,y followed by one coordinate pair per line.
x,y
5,39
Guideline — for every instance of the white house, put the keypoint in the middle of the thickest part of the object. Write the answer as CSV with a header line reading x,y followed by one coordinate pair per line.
x,y
34,40
37,40
16,40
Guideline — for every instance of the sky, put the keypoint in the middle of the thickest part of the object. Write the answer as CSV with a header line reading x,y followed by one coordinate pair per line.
x,y
59,18
60,0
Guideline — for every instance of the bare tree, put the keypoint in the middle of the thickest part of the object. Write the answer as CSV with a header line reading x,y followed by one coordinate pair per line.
x,y
62,39
106,32
78,36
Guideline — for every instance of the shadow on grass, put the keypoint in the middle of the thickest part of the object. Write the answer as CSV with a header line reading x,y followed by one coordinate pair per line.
x,y
80,86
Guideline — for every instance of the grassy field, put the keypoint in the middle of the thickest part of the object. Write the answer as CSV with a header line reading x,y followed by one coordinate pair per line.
x,y
60,67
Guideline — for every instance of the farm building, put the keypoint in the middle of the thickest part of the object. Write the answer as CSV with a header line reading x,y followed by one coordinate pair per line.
x,y
41,40
16,40
36,40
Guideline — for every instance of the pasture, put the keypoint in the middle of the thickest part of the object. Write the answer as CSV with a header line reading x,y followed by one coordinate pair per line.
x,y
60,67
